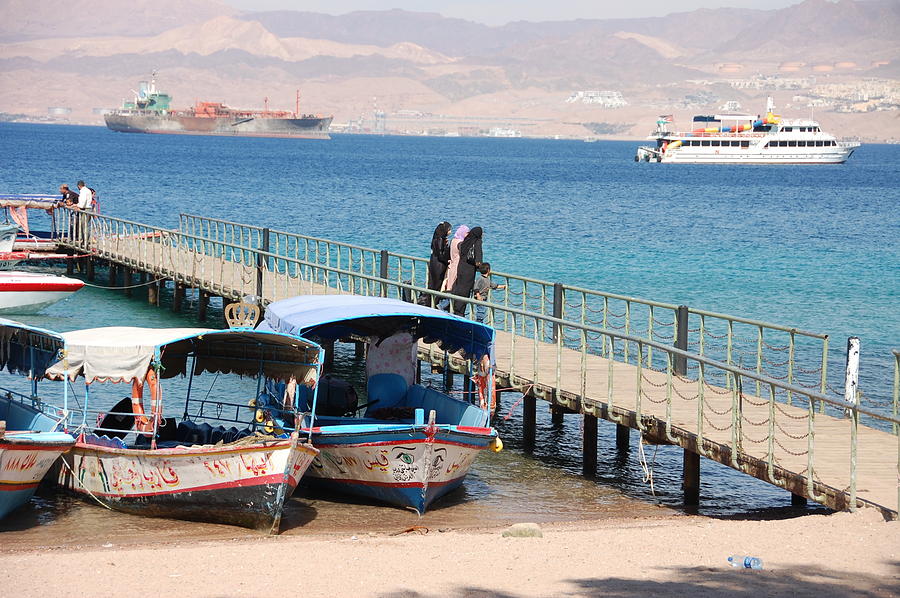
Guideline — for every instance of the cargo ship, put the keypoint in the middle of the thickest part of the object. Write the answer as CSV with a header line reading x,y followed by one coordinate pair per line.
x,y
150,112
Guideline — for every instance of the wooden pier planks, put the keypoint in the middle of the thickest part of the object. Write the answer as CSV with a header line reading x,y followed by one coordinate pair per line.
x,y
540,367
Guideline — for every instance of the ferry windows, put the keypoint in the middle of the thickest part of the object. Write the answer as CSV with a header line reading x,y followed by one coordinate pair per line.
x,y
745,144
705,143
819,143
789,129
792,143
715,143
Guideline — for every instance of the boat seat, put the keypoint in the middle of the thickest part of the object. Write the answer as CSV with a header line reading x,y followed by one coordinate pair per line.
x,y
385,390
448,410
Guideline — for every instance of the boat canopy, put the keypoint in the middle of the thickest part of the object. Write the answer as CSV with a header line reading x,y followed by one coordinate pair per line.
x,y
24,200
123,354
28,350
340,316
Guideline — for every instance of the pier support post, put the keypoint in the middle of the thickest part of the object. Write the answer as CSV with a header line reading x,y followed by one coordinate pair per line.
x,y
127,275
623,437
202,306
691,478
681,333
798,500
359,350
681,339
178,297
261,262
558,302
113,274
383,272
418,371
328,364
589,446
70,265
448,373
529,422
556,415
153,293
90,269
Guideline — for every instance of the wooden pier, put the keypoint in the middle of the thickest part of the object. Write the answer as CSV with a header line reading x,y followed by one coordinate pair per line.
x,y
783,430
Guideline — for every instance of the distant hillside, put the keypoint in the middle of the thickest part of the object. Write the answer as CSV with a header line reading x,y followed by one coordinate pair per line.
x,y
37,19
545,78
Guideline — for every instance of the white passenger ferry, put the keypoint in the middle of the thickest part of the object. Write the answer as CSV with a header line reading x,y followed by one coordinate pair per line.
x,y
746,139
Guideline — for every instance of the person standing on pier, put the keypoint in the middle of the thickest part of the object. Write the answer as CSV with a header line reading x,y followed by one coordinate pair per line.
x,y
470,256
483,287
85,196
450,278
69,198
440,259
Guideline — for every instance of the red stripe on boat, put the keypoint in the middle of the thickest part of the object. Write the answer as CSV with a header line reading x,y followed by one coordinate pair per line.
x,y
275,478
393,484
16,487
53,287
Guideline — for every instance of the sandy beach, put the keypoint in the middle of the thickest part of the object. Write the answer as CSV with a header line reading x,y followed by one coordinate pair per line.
x,y
840,554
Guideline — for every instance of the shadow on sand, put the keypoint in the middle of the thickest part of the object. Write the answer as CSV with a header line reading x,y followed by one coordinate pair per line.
x,y
699,582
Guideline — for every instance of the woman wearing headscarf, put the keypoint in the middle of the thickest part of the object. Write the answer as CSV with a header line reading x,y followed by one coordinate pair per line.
x,y
461,231
440,259
470,257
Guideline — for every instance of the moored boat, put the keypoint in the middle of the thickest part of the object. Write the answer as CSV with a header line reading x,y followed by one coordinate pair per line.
x,y
30,440
745,139
144,463
30,292
408,444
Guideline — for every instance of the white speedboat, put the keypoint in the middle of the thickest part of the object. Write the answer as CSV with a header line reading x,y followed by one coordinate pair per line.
x,y
745,139
29,292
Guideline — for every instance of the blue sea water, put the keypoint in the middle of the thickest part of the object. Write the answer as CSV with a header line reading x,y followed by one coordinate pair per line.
x,y
814,247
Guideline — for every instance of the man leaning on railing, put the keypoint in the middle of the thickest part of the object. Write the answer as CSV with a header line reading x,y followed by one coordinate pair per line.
x,y
83,211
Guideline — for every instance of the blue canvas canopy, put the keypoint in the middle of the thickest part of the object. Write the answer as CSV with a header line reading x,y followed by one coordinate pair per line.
x,y
339,316
27,350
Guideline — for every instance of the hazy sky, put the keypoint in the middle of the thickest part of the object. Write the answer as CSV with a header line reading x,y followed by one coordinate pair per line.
x,y
498,12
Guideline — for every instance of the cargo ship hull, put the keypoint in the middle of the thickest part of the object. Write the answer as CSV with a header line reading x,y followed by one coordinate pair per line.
x,y
176,124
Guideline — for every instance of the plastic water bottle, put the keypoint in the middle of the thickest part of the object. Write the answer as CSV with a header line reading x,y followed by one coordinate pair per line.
x,y
745,562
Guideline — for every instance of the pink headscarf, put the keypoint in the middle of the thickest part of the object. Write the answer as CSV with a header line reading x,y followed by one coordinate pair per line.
x,y
461,231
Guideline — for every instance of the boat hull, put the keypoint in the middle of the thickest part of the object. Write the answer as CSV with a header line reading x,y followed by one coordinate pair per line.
x,y
177,124
241,483
406,466
24,460
29,292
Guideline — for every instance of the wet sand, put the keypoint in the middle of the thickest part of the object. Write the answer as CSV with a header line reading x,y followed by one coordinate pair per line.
x,y
839,554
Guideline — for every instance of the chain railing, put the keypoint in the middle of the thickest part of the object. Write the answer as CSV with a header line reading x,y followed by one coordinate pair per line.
x,y
782,352
759,424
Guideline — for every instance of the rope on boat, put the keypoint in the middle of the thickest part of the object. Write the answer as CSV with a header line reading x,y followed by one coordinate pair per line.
x,y
524,391
133,286
419,529
92,495
648,468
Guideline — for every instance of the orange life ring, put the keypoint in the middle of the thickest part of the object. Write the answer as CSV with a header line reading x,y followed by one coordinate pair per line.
x,y
141,422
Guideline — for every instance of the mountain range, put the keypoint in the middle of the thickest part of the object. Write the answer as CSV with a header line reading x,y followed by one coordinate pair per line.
x,y
63,53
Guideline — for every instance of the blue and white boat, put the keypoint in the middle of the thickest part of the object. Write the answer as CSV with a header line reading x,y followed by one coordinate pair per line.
x,y
30,440
408,444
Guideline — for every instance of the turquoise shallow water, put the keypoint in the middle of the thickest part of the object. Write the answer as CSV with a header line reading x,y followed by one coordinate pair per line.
x,y
812,247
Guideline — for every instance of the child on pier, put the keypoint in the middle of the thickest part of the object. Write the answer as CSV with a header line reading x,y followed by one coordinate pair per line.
x,y
482,289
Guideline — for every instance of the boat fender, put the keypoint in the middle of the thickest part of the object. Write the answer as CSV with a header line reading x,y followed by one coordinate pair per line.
x,y
260,416
497,445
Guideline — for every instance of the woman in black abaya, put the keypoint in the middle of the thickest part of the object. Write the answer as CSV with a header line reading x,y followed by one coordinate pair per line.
x,y
440,258
470,257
